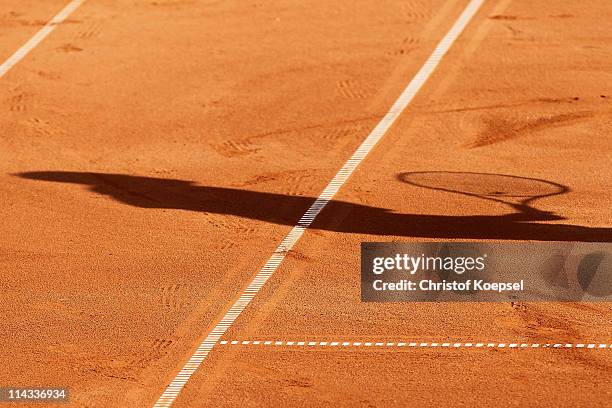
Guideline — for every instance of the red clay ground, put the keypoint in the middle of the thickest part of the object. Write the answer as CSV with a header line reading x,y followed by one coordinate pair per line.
x,y
152,153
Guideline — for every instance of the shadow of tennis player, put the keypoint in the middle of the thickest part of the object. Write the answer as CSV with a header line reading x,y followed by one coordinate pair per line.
x,y
523,223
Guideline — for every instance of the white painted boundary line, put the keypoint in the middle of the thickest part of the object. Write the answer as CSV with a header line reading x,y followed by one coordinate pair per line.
x,y
39,36
410,344
177,384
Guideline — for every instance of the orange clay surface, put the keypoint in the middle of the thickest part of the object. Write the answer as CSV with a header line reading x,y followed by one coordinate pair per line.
x,y
154,153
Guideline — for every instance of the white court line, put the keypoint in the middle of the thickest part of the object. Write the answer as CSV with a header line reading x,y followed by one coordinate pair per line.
x,y
39,36
419,345
177,384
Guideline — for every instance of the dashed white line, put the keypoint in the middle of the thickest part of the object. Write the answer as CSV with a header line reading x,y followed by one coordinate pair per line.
x,y
39,36
176,385
418,345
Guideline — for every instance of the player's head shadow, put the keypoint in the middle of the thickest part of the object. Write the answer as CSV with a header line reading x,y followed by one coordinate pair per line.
x,y
523,222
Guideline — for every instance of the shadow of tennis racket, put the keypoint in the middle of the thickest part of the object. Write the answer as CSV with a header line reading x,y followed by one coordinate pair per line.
x,y
517,192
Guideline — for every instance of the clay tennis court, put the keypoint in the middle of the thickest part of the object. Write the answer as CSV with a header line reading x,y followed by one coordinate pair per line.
x,y
156,153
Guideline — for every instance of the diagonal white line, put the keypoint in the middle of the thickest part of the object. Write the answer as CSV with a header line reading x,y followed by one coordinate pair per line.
x,y
39,36
177,384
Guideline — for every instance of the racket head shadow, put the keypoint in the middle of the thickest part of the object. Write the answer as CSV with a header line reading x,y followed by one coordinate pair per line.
x,y
515,191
